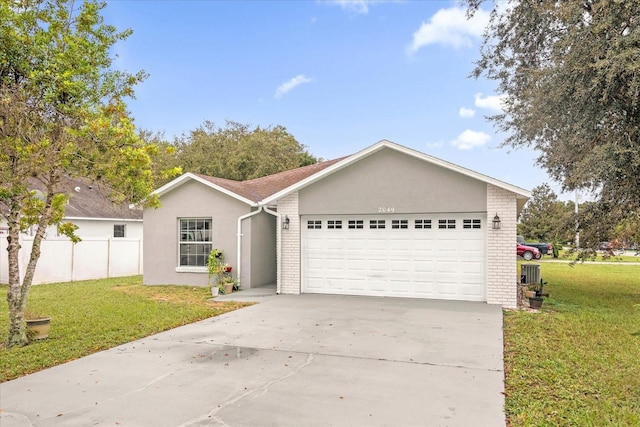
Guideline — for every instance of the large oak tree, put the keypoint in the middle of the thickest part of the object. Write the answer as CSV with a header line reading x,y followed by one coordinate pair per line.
x,y
570,73
62,115
240,152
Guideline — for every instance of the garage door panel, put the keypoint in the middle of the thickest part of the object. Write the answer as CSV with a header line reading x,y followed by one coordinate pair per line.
x,y
357,265
447,289
400,266
424,266
315,283
411,262
470,291
355,243
447,267
315,264
397,245
470,268
334,244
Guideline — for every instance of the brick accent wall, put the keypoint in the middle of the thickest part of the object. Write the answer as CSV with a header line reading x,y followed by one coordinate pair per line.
x,y
501,251
289,246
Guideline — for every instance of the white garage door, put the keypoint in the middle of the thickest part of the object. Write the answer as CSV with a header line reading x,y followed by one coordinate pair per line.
x,y
417,256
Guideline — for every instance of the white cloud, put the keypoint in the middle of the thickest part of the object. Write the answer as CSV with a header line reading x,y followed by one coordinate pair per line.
x,y
470,139
358,6
466,112
450,27
291,84
492,102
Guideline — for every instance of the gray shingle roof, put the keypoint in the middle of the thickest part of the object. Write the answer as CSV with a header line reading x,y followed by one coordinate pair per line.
x,y
91,200
261,188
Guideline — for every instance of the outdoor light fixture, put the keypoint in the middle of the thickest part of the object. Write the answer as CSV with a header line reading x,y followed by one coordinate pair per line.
x,y
497,224
285,223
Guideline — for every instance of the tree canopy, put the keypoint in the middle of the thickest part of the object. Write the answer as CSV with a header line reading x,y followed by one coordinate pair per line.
x,y
62,115
545,218
570,74
240,152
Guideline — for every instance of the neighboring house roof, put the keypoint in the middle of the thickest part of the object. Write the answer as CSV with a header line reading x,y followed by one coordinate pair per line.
x,y
270,188
88,200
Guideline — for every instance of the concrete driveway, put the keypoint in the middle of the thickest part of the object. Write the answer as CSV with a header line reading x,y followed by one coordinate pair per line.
x,y
306,360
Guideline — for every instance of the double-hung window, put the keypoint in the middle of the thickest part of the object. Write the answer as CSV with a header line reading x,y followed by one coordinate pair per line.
x,y
194,241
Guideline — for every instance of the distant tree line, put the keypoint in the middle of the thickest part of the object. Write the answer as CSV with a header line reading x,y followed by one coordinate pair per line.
x,y
545,218
236,151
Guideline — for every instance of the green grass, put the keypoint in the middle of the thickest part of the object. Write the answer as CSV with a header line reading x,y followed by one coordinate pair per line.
x,y
577,361
95,315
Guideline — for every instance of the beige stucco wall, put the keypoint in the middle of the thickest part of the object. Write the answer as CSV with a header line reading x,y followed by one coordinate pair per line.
x,y
190,200
391,179
262,252
501,251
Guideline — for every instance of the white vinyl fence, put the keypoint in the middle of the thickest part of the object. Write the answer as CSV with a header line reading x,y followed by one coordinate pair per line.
x,y
62,261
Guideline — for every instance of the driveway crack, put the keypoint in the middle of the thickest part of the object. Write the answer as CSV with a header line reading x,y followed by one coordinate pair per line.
x,y
263,388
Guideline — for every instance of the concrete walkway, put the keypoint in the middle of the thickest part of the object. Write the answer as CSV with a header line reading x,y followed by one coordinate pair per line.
x,y
306,360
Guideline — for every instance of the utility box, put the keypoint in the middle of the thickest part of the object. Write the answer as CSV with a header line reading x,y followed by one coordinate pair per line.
x,y
530,274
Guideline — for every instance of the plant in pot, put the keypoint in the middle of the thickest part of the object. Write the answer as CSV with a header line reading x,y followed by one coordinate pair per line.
x,y
38,326
215,261
536,301
227,284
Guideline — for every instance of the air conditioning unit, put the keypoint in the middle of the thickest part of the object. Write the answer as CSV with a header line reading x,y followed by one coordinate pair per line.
x,y
530,273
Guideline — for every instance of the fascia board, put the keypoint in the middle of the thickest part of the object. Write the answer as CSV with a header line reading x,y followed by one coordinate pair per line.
x,y
171,185
87,218
189,176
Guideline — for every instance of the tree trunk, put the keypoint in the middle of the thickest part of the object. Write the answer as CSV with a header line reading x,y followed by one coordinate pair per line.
x,y
18,292
16,296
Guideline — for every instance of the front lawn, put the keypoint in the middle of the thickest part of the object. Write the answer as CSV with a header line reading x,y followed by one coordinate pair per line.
x,y
95,315
577,361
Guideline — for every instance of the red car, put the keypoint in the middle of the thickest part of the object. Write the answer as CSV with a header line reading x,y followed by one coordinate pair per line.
x,y
527,252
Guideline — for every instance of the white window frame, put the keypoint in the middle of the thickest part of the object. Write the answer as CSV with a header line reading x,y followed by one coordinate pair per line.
x,y
200,237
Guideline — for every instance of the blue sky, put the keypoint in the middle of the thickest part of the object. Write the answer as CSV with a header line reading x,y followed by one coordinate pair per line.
x,y
339,75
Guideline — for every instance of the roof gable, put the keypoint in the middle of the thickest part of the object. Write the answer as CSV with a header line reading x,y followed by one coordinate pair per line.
x,y
266,190
384,144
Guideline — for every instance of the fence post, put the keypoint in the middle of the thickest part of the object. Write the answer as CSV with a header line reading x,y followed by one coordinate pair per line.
x,y
109,257
139,256
73,258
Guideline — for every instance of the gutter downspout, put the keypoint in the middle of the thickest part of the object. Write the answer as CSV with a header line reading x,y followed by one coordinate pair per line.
x,y
279,248
239,243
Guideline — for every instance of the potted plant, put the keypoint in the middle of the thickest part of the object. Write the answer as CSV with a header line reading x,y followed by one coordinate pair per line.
x,y
227,284
214,264
536,301
38,326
